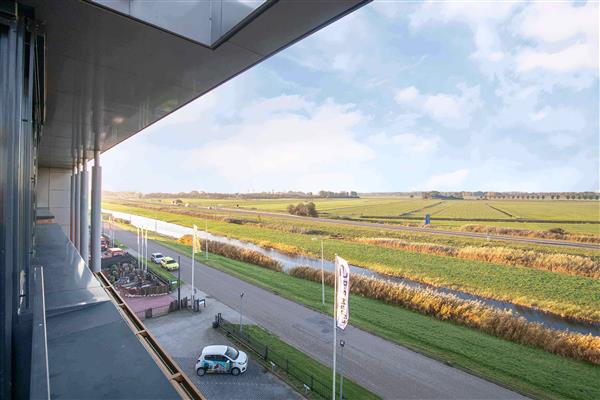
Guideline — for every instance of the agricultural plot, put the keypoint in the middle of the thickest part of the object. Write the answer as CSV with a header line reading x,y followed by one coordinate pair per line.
x,y
370,207
551,210
471,209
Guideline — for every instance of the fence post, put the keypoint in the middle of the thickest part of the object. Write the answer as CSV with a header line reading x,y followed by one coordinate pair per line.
x,y
311,382
287,366
266,352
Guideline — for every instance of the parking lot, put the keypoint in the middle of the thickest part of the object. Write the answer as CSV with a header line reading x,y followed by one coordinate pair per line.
x,y
183,334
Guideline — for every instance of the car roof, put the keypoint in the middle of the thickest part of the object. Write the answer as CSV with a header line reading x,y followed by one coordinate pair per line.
x,y
167,258
157,254
215,349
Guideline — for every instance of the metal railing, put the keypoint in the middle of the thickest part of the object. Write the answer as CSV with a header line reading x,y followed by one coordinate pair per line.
x,y
39,386
277,362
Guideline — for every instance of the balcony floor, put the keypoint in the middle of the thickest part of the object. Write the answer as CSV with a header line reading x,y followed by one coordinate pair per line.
x,y
92,352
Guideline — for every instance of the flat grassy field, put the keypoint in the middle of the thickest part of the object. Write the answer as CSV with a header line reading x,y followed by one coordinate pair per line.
x,y
531,371
303,366
396,206
554,292
545,214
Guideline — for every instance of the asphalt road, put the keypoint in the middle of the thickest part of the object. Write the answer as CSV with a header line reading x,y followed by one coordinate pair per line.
x,y
385,368
550,242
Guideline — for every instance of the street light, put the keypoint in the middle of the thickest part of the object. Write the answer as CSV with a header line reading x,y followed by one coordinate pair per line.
x,y
322,272
342,344
241,311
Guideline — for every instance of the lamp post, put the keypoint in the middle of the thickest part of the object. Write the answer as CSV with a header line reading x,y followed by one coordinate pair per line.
x,y
241,311
342,344
322,273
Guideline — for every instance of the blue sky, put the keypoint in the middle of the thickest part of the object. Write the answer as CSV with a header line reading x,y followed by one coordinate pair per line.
x,y
397,96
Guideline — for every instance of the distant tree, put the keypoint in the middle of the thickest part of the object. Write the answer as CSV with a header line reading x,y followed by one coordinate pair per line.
x,y
304,210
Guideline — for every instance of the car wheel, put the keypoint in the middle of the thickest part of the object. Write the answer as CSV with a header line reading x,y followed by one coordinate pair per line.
x,y
235,371
200,371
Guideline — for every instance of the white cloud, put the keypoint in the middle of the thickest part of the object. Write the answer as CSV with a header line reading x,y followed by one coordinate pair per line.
x,y
406,95
447,181
287,145
407,143
450,110
569,59
553,22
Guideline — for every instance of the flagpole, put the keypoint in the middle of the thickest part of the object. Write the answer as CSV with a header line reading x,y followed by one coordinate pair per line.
x,y
206,230
145,248
334,324
138,247
193,259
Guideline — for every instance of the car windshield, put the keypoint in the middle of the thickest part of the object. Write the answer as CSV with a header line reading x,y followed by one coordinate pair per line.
x,y
232,353
158,255
171,261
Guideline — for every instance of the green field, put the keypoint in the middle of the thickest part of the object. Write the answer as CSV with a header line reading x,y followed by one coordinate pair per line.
x,y
529,370
561,294
537,214
397,206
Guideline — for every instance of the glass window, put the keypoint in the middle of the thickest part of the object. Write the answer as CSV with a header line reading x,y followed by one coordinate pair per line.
x,y
232,353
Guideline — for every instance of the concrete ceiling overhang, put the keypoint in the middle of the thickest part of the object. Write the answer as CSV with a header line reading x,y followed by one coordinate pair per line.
x,y
109,76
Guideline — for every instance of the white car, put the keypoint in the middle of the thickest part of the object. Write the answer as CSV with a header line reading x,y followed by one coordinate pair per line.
x,y
156,257
221,359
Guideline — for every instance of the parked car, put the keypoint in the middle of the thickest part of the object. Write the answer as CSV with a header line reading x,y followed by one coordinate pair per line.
x,y
169,263
156,257
221,359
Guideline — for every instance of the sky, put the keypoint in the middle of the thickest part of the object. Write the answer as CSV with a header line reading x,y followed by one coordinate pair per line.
x,y
397,96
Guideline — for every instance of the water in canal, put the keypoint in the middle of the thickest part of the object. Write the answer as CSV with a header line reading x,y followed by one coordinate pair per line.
x,y
289,261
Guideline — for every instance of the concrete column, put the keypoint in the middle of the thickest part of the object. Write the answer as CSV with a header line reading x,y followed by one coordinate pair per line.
x,y
76,206
72,208
96,213
84,226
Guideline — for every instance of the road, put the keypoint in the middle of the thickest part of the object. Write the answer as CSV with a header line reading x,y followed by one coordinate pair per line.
x,y
385,368
506,238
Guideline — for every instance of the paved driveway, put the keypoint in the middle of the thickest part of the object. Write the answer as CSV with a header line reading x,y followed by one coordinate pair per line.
x,y
183,334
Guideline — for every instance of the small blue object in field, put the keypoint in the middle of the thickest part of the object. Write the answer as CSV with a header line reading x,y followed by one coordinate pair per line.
x,y
427,219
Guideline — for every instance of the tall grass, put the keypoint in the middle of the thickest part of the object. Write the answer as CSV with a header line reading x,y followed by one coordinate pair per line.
x,y
236,253
555,262
500,323
498,230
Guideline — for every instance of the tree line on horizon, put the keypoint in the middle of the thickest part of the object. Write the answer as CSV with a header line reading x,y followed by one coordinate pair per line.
x,y
324,194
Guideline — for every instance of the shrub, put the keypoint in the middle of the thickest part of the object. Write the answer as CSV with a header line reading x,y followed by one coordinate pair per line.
x,y
555,262
474,314
304,210
237,253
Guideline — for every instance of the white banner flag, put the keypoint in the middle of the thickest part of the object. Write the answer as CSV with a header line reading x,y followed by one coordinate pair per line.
x,y
196,244
343,292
